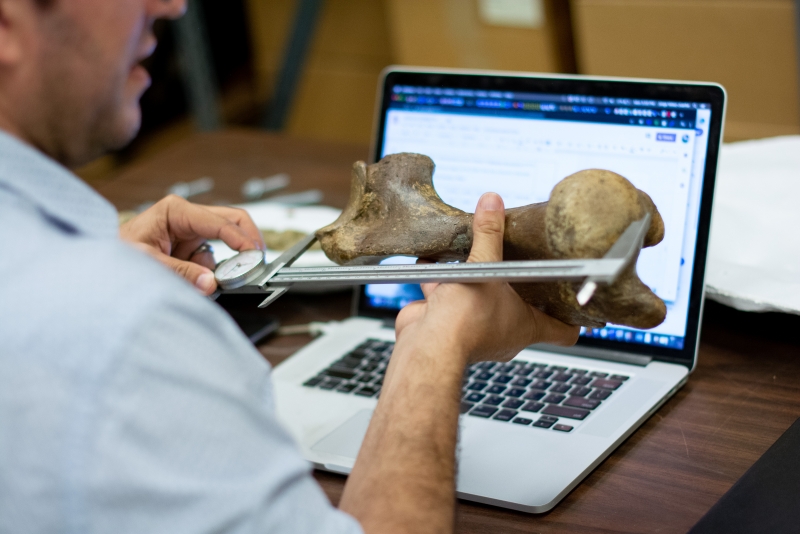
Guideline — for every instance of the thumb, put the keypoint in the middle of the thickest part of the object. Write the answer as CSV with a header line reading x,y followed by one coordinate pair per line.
x,y
200,277
487,229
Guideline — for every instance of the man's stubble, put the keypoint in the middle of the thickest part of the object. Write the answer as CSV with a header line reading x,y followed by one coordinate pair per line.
x,y
82,98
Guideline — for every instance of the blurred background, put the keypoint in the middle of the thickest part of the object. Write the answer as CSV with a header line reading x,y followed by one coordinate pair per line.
x,y
310,68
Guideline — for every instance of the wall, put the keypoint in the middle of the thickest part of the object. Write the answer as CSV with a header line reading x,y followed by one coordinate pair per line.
x,y
746,45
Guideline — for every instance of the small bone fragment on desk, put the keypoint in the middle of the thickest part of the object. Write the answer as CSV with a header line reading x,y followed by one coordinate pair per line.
x,y
394,211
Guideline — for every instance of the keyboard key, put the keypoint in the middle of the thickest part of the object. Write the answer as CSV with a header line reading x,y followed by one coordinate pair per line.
x,y
522,421
560,388
477,386
340,373
540,384
542,374
521,382
566,411
367,391
370,367
378,382
513,403
484,375
557,368
543,423
623,378
486,366
579,391
470,371
532,406
581,380
359,353
515,392
311,382
496,389
561,377
606,384
554,398
494,400
474,397
534,394
598,374
347,363
506,415
346,388
600,394
548,418
365,378
580,402
483,411
503,379
524,371
578,371
506,368
330,383
465,407
563,428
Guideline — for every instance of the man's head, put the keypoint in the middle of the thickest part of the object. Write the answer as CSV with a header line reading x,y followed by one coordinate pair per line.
x,y
70,79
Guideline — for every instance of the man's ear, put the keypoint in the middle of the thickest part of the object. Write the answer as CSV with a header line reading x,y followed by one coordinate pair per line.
x,y
15,17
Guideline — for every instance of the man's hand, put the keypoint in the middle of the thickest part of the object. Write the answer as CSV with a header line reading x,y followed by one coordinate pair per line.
x,y
481,321
404,478
173,229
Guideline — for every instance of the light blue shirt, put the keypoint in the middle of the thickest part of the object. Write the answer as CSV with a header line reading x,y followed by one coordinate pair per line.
x,y
129,403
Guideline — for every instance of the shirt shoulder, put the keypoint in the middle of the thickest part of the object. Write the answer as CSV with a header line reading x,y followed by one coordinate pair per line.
x,y
136,405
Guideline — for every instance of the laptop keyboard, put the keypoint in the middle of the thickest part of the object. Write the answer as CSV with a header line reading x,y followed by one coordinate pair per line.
x,y
519,392
359,372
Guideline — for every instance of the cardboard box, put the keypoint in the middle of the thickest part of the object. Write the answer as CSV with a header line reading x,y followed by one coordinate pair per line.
x,y
748,46
356,39
335,96
472,34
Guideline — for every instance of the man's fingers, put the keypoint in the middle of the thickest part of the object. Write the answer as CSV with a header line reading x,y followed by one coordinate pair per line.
x,y
184,250
242,219
487,229
550,330
188,221
200,277
428,288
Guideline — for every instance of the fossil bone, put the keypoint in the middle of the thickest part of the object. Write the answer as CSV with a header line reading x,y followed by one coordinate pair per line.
x,y
394,210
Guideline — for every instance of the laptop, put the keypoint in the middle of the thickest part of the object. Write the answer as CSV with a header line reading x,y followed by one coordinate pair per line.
x,y
533,428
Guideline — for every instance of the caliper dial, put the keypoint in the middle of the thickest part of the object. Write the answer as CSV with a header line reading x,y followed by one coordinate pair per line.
x,y
240,269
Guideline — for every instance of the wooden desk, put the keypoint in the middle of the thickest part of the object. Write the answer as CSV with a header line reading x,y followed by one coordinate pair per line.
x,y
744,394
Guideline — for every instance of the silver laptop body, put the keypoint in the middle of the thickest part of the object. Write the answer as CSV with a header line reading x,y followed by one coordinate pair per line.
x,y
532,429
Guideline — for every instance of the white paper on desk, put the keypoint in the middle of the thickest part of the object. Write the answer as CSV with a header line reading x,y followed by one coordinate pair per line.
x,y
754,252
280,217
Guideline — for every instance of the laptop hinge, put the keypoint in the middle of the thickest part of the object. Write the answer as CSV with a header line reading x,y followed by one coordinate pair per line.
x,y
597,354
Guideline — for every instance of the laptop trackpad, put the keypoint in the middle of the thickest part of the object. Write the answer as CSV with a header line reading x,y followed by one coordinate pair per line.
x,y
346,439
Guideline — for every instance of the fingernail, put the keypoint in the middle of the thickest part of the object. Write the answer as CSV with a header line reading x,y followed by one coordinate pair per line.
x,y
205,282
490,202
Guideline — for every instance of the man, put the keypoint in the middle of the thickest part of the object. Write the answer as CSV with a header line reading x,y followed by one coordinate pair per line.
x,y
131,403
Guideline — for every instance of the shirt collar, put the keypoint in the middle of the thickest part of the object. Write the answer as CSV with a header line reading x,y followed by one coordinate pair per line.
x,y
54,190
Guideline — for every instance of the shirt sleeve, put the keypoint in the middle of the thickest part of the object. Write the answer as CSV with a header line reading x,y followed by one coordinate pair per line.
x,y
185,438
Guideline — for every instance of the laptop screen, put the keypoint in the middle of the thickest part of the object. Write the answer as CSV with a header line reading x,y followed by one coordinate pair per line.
x,y
520,143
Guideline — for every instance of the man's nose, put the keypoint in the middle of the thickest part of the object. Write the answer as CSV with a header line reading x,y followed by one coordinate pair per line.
x,y
167,9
